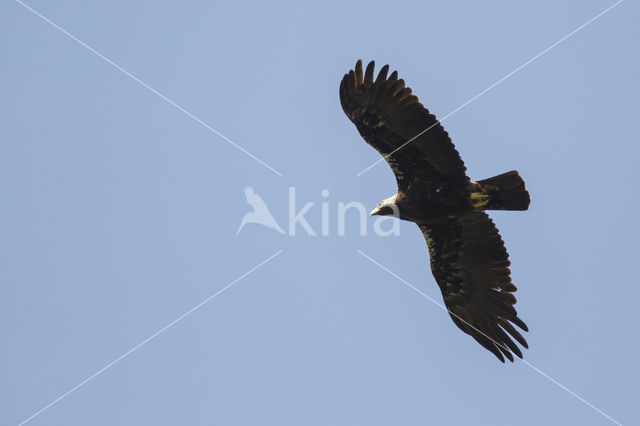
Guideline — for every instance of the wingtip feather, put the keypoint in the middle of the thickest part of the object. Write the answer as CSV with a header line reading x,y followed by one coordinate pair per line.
x,y
382,75
358,72
368,73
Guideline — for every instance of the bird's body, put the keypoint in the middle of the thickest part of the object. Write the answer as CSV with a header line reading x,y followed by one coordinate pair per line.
x,y
467,255
427,200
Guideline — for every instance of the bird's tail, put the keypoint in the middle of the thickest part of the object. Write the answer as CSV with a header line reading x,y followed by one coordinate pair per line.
x,y
502,192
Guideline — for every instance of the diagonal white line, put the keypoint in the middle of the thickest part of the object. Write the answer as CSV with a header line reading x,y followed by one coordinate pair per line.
x,y
142,83
493,85
536,369
136,347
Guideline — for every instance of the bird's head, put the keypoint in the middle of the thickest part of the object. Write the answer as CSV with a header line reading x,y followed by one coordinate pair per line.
x,y
387,207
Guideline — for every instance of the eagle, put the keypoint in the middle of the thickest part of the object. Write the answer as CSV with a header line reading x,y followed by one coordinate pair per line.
x,y
467,255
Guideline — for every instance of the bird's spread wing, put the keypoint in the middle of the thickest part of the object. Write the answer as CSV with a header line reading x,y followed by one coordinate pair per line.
x,y
471,265
388,116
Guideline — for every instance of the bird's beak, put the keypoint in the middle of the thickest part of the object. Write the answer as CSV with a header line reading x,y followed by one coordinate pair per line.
x,y
375,211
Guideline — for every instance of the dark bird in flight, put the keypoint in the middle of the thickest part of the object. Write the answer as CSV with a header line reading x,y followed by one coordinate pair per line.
x,y
468,257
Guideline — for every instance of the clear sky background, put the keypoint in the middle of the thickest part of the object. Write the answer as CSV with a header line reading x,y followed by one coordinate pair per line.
x,y
118,214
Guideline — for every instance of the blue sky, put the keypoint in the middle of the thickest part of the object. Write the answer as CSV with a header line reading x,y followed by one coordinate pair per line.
x,y
119,214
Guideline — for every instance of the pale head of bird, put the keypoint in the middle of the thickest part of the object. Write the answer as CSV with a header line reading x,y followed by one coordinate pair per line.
x,y
387,207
